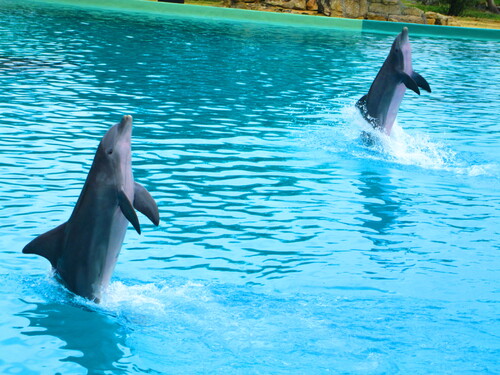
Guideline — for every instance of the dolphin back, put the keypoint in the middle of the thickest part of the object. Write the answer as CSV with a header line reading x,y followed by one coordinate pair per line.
x,y
50,245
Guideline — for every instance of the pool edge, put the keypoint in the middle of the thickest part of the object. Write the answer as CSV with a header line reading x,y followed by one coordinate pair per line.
x,y
356,25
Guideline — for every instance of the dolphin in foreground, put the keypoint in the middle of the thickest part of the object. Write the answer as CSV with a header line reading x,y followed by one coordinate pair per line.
x,y
380,106
84,250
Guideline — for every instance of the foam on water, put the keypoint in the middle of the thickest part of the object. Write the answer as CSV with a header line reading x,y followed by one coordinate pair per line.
x,y
142,303
152,300
340,132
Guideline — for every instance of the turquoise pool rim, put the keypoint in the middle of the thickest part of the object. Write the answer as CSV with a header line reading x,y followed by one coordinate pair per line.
x,y
208,12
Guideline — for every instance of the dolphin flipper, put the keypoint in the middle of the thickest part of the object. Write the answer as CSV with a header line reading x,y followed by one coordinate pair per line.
x,y
421,82
48,245
409,82
144,202
128,210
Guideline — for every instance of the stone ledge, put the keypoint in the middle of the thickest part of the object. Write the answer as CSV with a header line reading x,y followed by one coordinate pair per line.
x,y
382,10
434,18
402,18
379,10
288,4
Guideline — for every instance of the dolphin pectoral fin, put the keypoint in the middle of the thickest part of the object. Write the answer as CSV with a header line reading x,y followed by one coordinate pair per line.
x,y
128,210
48,245
144,202
421,82
409,82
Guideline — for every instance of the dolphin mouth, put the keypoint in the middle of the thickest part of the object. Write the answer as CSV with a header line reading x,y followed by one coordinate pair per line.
x,y
125,125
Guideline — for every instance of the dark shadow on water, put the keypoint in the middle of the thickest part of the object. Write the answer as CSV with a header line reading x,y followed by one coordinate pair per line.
x,y
97,336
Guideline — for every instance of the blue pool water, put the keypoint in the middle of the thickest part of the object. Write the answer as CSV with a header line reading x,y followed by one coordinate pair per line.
x,y
286,245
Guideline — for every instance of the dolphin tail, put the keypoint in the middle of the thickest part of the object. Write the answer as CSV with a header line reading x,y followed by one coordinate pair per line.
x,y
421,82
48,245
144,202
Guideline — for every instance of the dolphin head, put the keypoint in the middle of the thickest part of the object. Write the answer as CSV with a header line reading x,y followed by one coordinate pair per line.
x,y
114,150
400,55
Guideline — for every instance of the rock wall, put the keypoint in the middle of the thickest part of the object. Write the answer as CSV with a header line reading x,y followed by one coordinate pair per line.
x,y
383,10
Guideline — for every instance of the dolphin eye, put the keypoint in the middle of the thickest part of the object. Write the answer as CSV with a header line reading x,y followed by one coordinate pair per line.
x,y
109,151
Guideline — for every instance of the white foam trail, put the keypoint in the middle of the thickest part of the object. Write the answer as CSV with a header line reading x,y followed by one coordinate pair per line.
x,y
144,298
152,299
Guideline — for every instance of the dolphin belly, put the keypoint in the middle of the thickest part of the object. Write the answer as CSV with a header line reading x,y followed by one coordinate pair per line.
x,y
116,237
393,107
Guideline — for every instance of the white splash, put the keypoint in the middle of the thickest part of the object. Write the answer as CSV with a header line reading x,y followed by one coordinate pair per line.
x,y
417,150
153,299
405,148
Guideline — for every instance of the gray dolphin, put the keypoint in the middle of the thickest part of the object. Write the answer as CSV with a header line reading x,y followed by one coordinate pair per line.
x,y
380,106
84,250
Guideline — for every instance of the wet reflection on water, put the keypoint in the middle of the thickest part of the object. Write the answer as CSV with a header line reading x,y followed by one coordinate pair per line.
x,y
95,341
384,209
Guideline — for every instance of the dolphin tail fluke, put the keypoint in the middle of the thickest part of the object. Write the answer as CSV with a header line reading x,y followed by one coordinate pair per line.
x,y
421,82
128,210
48,245
144,202
409,82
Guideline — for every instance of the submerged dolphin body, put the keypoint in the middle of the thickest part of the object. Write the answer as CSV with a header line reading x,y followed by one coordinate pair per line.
x,y
380,106
84,250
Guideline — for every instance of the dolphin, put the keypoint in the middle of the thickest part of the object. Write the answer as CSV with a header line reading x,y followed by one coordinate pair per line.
x,y
380,106
84,250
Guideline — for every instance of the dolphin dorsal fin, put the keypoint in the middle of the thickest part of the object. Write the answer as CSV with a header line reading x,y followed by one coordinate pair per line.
x,y
361,103
48,245
128,210
144,202
409,82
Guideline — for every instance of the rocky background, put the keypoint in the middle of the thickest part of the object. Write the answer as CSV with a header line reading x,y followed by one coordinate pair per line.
x,y
383,10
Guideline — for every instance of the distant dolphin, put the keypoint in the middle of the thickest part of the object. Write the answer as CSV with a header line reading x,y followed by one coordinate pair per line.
x,y
380,106
84,250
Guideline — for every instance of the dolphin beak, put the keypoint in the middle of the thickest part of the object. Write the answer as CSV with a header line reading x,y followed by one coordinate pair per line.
x,y
404,34
125,125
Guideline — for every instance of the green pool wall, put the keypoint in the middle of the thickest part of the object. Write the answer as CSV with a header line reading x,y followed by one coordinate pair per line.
x,y
208,12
